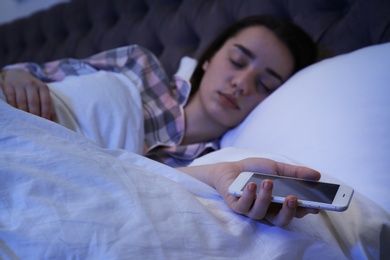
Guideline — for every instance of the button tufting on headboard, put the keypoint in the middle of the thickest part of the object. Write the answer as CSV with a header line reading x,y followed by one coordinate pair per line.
x,y
173,28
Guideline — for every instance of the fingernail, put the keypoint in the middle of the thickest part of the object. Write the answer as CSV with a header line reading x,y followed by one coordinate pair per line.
x,y
267,185
292,204
252,187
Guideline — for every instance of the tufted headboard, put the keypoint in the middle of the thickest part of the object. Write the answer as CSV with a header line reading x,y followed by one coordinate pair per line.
x,y
174,28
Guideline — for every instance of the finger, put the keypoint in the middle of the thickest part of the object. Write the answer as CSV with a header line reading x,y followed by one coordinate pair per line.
x,y
33,101
263,201
21,99
53,116
297,171
301,212
245,202
47,110
286,214
272,167
9,94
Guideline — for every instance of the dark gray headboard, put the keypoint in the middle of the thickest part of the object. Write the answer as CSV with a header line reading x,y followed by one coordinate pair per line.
x,y
173,28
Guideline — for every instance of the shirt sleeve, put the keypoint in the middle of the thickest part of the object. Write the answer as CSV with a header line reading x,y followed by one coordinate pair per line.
x,y
124,59
55,70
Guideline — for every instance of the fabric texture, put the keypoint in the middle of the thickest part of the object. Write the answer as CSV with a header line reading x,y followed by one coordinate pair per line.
x,y
162,101
103,106
64,197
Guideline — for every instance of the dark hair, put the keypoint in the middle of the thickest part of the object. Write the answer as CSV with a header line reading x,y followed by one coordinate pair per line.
x,y
300,44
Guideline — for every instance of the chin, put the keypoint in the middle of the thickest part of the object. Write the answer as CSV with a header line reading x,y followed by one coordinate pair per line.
x,y
228,124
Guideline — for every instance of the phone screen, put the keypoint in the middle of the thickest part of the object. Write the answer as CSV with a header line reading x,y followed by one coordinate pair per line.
x,y
302,189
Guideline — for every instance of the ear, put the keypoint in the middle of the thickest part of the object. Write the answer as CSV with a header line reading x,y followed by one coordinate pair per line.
x,y
205,65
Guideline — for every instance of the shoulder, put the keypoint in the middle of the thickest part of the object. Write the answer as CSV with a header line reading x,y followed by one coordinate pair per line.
x,y
141,61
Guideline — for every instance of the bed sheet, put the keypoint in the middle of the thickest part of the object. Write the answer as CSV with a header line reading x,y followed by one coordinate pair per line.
x,y
361,230
61,196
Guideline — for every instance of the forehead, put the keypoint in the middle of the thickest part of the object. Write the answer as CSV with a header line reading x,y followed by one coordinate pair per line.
x,y
266,49
256,35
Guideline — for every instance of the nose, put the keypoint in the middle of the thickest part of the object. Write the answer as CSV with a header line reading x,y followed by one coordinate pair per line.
x,y
242,82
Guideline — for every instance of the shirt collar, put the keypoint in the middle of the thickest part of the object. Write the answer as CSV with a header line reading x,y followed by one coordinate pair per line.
x,y
182,79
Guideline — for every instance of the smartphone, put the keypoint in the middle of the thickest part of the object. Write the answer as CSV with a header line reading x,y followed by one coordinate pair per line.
x,y
311,194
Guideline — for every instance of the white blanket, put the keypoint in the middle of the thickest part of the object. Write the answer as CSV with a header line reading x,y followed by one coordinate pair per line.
x,y
103,106
63,197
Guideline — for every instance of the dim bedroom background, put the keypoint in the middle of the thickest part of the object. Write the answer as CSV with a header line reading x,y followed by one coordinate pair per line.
x,y
61,196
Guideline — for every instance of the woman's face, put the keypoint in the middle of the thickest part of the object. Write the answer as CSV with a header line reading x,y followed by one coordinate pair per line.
x,y
246,70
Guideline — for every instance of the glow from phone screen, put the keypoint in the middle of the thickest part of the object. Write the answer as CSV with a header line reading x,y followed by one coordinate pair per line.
x,y
303,190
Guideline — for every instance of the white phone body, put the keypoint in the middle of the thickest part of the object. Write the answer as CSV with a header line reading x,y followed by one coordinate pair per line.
x,y
311,194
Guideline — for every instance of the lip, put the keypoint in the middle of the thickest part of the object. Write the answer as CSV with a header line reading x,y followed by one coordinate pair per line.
x,y
229,100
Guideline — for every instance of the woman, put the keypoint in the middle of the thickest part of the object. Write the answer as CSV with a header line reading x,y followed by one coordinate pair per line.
x,y
245,64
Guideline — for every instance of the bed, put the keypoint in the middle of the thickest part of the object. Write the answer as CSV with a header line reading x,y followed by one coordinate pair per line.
x,y
63,196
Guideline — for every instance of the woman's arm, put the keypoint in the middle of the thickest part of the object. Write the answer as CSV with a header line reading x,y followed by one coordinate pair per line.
x,y
221,175
24,84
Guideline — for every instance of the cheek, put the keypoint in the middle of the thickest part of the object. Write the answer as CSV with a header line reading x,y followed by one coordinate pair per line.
x,y
217,69
208,78
212,80
248,105
253,101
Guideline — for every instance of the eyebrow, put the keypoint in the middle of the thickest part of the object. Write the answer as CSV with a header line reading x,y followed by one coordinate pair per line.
x,y
251,55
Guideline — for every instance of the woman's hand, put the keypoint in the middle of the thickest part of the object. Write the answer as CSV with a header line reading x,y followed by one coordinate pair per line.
x,y
221,175
22,90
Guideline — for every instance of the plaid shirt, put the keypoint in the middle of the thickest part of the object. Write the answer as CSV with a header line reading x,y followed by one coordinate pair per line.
x,y
162,100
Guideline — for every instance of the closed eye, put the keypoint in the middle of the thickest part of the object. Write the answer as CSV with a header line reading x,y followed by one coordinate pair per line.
x,y
251,55
237,64
262,86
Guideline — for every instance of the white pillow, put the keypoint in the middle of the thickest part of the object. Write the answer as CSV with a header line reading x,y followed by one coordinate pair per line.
x,y
333,116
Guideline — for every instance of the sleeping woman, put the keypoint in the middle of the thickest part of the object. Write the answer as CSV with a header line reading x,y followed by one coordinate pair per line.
x,y
184,119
